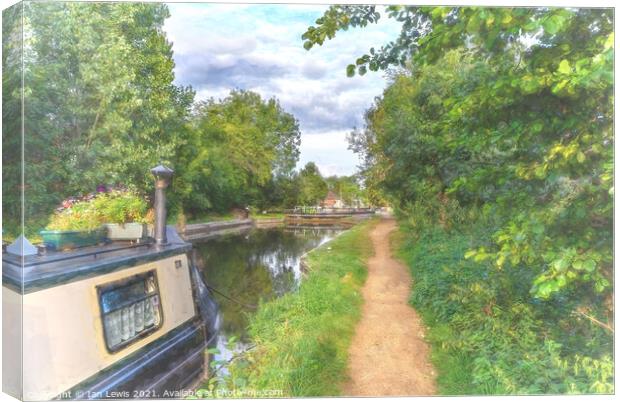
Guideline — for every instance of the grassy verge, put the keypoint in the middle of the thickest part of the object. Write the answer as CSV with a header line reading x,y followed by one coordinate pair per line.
x,y
213,217
488,335
267,216
302,339
454,369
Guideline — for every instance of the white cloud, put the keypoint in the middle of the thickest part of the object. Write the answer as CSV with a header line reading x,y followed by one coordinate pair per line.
x,y
329,151
219,47
314,69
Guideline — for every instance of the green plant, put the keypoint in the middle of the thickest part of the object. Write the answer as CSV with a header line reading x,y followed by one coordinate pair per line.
x,y
224,381
489,335
81,216
121,207
114,207
125,111
484,114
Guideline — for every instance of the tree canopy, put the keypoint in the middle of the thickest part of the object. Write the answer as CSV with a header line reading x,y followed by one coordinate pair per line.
x,y
99,101
510,108
313,187
239,148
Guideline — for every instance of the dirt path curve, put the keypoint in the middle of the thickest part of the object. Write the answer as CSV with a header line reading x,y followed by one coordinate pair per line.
x,y
388,355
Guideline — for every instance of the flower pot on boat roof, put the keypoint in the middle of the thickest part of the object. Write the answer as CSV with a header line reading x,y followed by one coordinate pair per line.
x,y
117,215
70,239
75,226
126,231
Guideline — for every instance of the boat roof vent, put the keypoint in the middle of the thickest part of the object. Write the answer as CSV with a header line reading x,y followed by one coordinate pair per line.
x,y
21,246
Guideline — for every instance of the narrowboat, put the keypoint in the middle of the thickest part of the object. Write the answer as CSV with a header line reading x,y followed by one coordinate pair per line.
x,y
118,320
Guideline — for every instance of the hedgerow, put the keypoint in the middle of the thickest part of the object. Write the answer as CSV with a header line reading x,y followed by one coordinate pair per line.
x,y
489,335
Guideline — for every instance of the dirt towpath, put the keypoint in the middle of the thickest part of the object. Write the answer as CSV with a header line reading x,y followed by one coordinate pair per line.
x,y
388,355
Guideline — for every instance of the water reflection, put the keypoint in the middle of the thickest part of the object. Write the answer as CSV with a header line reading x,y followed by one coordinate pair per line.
x,y
260,264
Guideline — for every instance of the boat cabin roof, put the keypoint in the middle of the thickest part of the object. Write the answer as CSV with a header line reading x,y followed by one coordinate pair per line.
x,y
37,272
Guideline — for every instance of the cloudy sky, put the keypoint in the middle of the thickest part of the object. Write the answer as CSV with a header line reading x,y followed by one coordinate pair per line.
x,y
219,47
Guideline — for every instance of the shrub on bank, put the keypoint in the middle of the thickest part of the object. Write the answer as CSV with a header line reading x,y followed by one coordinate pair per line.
x,y
489,335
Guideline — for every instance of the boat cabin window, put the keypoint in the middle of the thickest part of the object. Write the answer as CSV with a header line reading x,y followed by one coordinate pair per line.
x,y
130,309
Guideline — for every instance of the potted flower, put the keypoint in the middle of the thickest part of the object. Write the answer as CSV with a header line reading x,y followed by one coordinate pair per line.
x,y
125,214
78,224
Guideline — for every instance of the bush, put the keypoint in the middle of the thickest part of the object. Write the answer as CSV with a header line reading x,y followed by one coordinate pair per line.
x,y
489,335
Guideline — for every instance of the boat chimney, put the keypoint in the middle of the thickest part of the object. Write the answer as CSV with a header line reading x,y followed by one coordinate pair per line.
x,y
163,175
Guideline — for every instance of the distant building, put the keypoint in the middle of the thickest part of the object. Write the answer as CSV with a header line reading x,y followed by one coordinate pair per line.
x,y
332,201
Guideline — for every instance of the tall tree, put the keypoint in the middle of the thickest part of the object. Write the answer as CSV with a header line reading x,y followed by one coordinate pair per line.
x,y
99,102
313,186
240,147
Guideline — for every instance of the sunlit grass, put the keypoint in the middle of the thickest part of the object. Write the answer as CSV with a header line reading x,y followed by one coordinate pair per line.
x,y
270,215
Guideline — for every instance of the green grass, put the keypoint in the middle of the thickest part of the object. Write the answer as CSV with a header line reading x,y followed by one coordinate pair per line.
x,y
454,370
487,334
302,338
211,218
259,216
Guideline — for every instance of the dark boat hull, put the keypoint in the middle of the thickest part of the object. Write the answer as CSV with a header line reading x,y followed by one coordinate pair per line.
x,y
162,369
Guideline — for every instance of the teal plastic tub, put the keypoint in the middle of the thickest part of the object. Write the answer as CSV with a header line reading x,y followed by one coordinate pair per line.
x,y
70,239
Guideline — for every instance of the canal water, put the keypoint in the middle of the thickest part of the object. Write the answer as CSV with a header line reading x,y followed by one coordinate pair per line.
x,y
254,266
